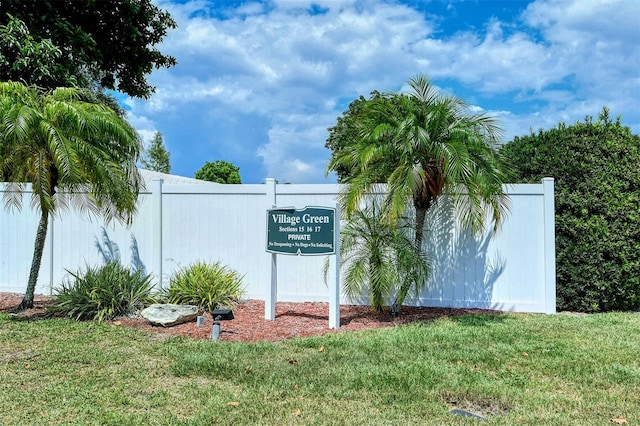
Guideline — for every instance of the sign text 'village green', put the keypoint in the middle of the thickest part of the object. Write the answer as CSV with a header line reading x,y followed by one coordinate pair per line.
x,y
309,231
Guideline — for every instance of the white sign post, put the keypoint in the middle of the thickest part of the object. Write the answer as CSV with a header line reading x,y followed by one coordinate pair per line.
x,y
311,231
334,278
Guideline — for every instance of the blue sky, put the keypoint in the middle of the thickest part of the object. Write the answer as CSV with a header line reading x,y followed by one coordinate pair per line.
x,y
259,82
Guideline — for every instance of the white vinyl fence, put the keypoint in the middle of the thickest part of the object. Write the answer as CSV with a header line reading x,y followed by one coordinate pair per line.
x,y
177,225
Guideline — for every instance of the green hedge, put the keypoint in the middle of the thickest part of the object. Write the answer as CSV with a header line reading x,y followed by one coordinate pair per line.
x,y
596,166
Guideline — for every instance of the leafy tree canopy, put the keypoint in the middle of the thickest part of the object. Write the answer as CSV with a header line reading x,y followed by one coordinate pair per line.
x,y
156,158
421,143
22,55
111,43
219,171
347,131
597,196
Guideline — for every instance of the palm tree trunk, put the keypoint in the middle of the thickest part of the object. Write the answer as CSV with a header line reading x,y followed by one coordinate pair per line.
x,y
41,235
421,214
406,286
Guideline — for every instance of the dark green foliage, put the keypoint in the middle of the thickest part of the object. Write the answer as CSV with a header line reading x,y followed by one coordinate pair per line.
x,y
596,166
219,171
36,62
347,131
208,286
103,293
23,57
111,42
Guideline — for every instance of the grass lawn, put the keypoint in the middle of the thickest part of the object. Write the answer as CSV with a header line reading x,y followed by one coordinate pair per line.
x,y
511,368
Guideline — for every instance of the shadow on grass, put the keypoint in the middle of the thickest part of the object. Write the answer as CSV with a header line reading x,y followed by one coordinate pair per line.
x,y
409,314
480,320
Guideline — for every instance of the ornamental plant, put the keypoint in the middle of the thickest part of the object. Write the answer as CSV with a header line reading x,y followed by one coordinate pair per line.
x,y
103,293
206,285
381,261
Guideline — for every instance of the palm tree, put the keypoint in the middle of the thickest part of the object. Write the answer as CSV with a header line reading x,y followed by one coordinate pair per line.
x,y
380,260
424,143
62,145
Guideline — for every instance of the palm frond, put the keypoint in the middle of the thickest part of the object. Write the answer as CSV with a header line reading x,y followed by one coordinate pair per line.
x,y
57,142
378,258
423,143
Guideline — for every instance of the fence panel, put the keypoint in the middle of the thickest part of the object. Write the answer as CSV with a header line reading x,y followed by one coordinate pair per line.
x,y
179,224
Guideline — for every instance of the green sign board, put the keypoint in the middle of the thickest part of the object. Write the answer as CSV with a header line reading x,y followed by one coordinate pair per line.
x,y
310,231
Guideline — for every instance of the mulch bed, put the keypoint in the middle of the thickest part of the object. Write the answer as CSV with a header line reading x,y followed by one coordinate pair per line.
x,y
292,319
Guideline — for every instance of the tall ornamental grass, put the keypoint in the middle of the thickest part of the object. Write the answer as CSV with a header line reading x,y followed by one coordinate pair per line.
x,y
103,293
206,285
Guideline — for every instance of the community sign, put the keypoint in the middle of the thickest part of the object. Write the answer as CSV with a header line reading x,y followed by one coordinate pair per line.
x,y
309,231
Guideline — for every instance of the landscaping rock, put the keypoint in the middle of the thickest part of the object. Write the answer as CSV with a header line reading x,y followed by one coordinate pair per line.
x,y
468,414
168,315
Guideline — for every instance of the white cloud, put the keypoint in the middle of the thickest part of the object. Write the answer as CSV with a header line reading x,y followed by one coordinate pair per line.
x,y
600,43
574,22
293,153
143,125
271,77
282,63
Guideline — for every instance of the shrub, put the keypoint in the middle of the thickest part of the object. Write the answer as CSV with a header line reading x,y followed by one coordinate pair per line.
x,y
208,286
219,171
597,197
381,262
103,293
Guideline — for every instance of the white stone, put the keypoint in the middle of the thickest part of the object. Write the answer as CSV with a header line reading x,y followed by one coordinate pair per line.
x,y
167,315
